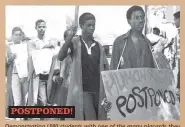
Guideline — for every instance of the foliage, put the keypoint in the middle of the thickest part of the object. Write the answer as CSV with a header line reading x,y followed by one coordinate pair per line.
x,y
158,10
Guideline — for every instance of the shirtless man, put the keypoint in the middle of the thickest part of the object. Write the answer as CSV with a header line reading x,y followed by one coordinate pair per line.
x,y
132,50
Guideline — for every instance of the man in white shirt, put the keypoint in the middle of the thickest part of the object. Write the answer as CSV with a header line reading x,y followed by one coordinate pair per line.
x,y
16,86
40,80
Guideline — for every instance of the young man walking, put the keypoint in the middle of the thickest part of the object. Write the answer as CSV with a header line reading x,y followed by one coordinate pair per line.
x,y
86,90
17,87
39,82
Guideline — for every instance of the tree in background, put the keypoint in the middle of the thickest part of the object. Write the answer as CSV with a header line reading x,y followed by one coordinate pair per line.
x,y
154,11
69,22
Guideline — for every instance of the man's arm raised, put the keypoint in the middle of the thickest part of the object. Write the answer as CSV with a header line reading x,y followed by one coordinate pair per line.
x,y
63,53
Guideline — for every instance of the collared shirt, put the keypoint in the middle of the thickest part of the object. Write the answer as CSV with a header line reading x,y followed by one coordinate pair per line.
x,y
129,54
90,58
38,43
88,48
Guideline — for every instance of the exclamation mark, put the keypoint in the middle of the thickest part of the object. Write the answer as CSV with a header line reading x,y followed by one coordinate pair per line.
x,y
71,111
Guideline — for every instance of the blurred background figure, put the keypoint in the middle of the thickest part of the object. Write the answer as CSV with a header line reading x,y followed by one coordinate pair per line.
x,y
154,37
158,44
176,51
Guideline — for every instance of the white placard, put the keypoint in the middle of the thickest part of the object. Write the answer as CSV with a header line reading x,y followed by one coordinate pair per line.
x,y
42,60
21,59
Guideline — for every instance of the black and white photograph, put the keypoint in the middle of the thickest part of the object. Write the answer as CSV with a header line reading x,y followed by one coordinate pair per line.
x,y
109,62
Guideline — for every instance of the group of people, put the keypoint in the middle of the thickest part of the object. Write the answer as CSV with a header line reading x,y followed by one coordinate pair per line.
x,y
75,73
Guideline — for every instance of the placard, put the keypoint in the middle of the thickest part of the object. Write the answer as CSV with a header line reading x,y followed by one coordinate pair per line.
x,y
21,59
42,60
141,94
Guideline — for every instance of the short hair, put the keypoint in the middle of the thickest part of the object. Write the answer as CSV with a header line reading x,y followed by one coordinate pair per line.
x,y
133,9
16,29
86,16
177,15
39,21
156,29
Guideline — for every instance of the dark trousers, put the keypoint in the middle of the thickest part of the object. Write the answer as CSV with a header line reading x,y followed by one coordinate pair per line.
x,y
90,105
178,75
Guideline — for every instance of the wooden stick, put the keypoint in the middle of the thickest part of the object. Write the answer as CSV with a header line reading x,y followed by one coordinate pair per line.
x,y
76,16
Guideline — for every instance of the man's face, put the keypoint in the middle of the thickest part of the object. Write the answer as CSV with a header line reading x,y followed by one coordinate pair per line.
x,y
137,21
17,36
88,27
177,22
41,28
